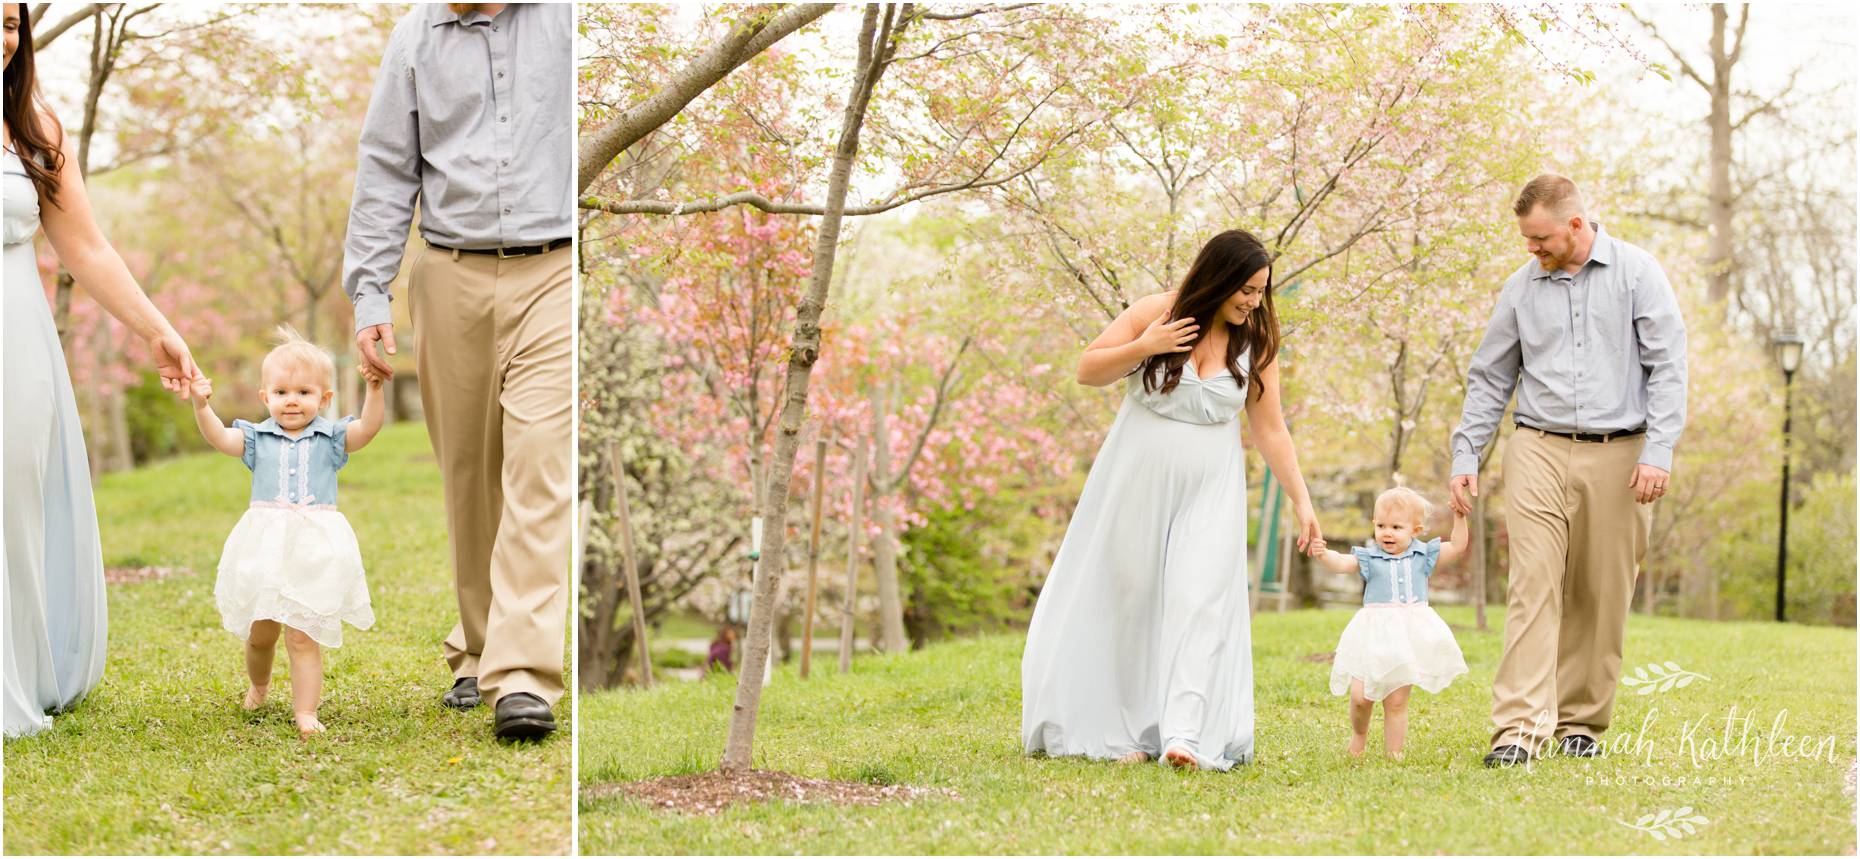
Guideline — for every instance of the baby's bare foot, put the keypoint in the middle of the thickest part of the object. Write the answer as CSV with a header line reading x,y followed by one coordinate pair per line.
x,y
1137,757
1357,743
255,696
1181,759
307,724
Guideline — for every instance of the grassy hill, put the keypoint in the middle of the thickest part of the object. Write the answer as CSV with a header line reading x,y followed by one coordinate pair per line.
x,y
949,717
161,759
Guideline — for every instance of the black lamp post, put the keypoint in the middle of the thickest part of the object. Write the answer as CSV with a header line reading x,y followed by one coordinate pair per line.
x,y
1789,355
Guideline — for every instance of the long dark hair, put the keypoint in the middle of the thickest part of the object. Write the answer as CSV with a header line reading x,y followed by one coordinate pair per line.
x,y
36,145
1224,265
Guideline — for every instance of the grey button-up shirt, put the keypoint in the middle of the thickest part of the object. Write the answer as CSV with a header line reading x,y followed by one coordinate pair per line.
x,y
472,114
1598,351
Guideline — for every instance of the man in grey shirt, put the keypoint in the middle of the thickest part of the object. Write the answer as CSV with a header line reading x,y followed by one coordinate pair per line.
x,y
1588,334
471,115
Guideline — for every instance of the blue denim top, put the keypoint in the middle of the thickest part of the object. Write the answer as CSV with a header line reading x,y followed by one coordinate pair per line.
x,y
1396,578
297,471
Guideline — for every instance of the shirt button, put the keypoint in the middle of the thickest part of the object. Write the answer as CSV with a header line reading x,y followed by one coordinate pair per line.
x,y
504,163
500,73
506,210
503,119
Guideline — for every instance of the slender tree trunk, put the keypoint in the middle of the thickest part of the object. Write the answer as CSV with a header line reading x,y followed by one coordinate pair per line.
x,y
1719,260
630,565
813,559
885,550
875,50
854,530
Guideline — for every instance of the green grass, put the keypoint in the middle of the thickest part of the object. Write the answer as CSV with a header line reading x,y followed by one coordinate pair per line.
x,y
950,716
160,759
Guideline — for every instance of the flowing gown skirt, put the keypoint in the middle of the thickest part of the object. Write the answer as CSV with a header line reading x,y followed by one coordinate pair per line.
x,y
1140,639
55,611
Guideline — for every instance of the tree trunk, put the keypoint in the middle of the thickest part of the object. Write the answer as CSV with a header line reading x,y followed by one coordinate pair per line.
x,y
885,549
875,50
630,565
599,667
854,530
1719,259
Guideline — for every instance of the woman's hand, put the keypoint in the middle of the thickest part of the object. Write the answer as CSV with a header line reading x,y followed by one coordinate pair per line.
x,y
1163,336
1310,536
174,363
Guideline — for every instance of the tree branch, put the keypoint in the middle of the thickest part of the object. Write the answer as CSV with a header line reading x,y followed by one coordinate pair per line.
x,y
41,39
749,37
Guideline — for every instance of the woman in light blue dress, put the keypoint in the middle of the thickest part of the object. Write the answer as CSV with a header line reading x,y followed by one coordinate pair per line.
x,y
1140,644
55,613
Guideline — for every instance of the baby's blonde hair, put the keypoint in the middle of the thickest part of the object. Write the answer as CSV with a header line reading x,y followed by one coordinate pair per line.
x,y
294,351
1401,499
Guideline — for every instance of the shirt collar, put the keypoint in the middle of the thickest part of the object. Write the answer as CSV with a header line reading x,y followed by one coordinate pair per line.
x,y
443,14
1601,251
1415,547
318,424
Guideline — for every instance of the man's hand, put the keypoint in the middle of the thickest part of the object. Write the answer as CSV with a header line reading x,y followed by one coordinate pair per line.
x,y
1464,488
1648,483
365,341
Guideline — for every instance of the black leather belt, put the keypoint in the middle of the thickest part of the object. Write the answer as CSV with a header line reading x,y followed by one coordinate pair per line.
x,y
502,253
1587,436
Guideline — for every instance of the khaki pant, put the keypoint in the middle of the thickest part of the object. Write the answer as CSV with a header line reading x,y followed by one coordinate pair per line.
x,y
1577,537
495,360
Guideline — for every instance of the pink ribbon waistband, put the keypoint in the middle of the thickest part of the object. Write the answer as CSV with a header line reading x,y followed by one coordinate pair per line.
x,y
285,505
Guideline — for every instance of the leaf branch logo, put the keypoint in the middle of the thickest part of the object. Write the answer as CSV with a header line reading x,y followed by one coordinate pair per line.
x,y
1673,823
1660,677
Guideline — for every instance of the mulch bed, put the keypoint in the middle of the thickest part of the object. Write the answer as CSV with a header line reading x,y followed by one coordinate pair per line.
x,y
711,792
132,575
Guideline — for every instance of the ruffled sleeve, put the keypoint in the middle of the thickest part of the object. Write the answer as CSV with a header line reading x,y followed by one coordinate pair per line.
x,y
250,431
339,441
1362,561
1430,554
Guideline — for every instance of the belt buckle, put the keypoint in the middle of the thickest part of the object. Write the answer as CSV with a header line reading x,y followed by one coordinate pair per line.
x,y
502,255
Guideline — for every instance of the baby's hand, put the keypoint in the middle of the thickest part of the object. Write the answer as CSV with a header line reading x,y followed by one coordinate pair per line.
x,y
1318,547
374,378
203,388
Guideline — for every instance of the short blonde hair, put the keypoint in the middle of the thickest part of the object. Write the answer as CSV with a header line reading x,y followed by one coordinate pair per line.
x,y
1557,194
1401,499
294,351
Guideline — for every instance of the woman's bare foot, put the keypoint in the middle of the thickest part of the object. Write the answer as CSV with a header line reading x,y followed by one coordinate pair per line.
x,y
1137,757
255,696
1357,744
307,724
1181,759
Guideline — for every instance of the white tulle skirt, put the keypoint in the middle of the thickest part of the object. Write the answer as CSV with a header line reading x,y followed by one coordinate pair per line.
x,y
299,566
1390,645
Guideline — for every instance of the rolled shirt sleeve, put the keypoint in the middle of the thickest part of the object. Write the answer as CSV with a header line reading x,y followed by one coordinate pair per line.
x,y
1661,333
387,182
1490,381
